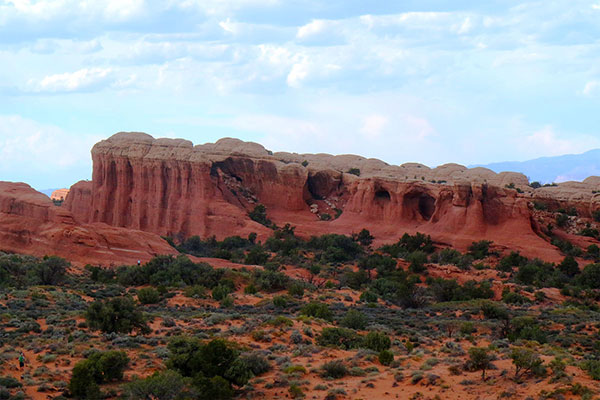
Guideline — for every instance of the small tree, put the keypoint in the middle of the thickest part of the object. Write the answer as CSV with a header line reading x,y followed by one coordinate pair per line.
x,y
148,296
365,238
354,319
569,266
526,361
118,314
480,360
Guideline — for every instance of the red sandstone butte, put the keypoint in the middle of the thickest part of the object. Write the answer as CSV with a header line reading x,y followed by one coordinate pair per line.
x,y
171,187
30,223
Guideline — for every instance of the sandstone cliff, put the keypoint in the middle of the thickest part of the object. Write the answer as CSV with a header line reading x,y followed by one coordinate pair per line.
x,y
171,187
30,223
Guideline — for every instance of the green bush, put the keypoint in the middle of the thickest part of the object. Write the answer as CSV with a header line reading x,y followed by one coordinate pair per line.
x,y
334,369
118,314
339,337
148,296
354,319
417,260
296,289
98,368
220,292
317,310
494,310
166,385
479,360
526,361
259,214
386,357
376,341
480,249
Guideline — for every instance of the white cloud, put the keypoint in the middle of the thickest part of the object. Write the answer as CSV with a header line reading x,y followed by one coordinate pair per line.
x,y
298,73
81,80
31,152
373,125
546,142
591,88
312,28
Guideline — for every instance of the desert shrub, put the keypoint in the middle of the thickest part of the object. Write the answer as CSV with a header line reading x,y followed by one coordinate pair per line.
x,y
514,259
280,301
386,357
479,360
9,382
165,385
450,290
354,171
364,237
296,289
513,297
566,247
295,391
401,290
480,249
596,215
215,388
447,256
467,328
170,271
561,220
526,328
317,310
259,214
593,252
83,383
22,271
538,205
527,361
339,337
354,319
148,296
408,244
569,266
220,292
256,256
590,276
215,365
257,363
270,281
334,369
354,279
383,264
333,248
195,291
368,296
98,368
376,341
417,260
118,314
494,310
592,367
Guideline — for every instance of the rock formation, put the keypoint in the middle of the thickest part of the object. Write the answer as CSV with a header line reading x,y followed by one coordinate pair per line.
x,y
59,194
171,187
30,223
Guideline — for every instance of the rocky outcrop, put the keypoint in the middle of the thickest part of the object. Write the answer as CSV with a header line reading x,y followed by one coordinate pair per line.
x,y
59,194
30,223
171,187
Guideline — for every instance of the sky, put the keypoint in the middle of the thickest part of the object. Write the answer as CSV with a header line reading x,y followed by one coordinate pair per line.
x,y
426,81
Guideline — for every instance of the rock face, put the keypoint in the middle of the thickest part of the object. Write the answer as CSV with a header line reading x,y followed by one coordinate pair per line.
x,y
171,187
30,223
59,194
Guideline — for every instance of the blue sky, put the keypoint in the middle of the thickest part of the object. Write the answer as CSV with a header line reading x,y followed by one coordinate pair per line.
x,y
425,81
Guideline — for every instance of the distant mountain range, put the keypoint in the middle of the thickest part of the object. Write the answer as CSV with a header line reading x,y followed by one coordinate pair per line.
x,y
570,167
